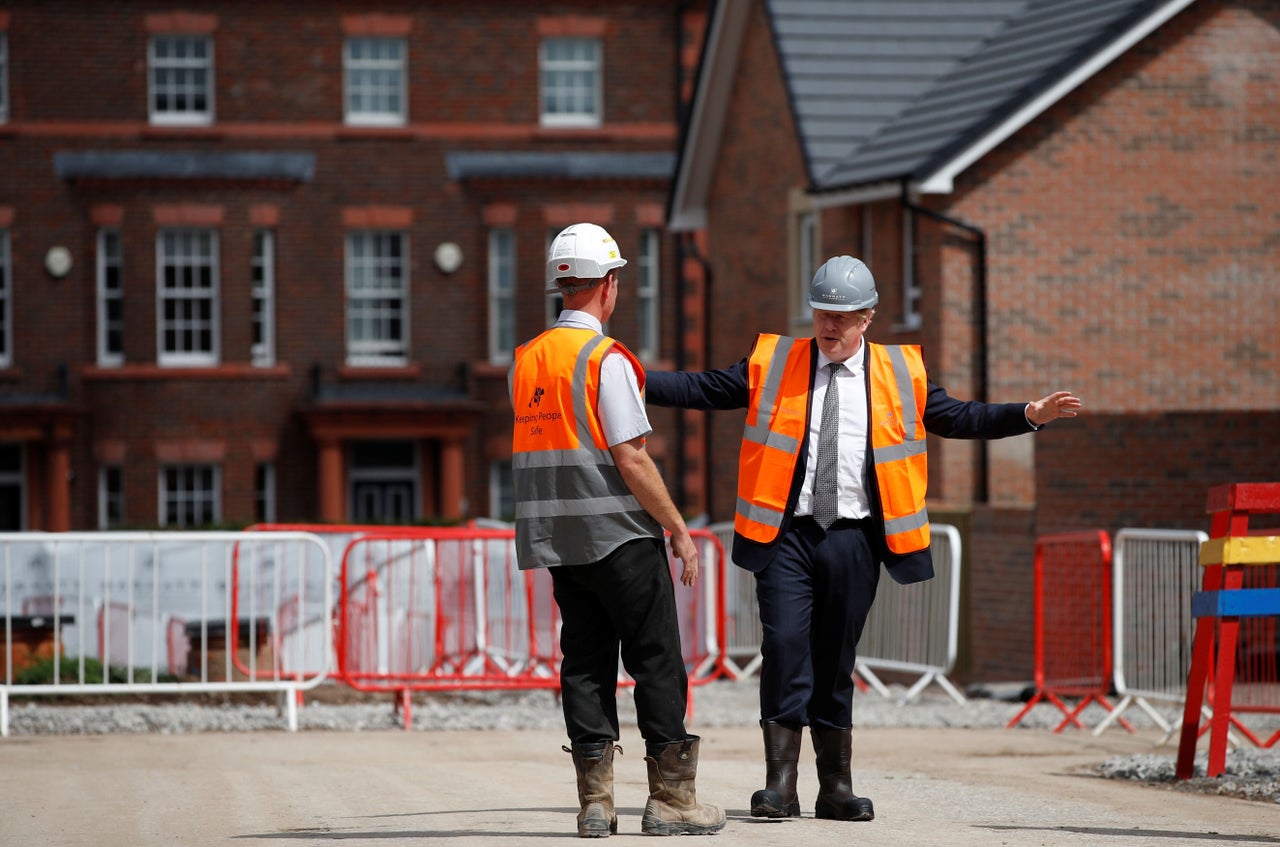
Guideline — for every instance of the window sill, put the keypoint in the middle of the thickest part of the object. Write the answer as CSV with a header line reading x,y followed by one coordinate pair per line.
x,y
144,372
358,372
357,131
208,131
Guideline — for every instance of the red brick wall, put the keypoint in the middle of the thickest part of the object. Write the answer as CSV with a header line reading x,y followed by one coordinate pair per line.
x,y
1131,228
1149,470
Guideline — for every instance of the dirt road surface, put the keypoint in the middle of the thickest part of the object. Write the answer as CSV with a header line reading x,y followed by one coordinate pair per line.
x,y
954,787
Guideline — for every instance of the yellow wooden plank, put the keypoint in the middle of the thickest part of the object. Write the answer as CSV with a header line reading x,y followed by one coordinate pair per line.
x,y
1241,550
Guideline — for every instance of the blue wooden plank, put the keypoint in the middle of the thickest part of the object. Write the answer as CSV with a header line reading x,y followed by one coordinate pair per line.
x,y
1239,603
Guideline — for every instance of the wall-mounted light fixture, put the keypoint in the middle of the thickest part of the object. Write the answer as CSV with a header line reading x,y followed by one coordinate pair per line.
x,y
58,261
448,257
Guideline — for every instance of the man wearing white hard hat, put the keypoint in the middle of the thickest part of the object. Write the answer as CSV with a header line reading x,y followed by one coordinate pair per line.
x,y
591,507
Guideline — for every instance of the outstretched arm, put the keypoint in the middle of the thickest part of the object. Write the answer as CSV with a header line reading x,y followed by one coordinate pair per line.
x,y
719,389
641,476
951,418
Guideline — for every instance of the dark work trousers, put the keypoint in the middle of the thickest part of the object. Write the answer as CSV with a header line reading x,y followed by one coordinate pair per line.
x,y
814,599
625,601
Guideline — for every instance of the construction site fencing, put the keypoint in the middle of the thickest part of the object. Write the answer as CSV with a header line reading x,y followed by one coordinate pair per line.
x,y
1155,572
913,629
161,613
1236,649
1073,604
448,608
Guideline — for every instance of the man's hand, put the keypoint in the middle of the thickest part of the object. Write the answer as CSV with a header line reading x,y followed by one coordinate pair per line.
x,y
1059,404
683,548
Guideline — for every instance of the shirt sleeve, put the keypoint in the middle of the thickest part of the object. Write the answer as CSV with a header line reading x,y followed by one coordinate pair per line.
x,y
621,408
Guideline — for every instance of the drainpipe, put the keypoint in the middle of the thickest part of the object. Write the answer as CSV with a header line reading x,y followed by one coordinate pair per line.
x,y
686,247
979,241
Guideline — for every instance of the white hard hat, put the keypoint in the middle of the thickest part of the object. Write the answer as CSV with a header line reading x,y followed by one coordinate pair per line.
x,y
843,284
582,251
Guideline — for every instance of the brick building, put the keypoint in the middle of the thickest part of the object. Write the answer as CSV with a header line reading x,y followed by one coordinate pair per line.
x,y
269,261
1080,195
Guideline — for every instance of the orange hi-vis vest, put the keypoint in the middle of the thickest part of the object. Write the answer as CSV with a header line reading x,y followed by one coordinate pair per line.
x,y
572,505
779,375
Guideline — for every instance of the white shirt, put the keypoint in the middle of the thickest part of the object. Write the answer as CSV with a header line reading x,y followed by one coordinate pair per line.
x,y
854,502
620,406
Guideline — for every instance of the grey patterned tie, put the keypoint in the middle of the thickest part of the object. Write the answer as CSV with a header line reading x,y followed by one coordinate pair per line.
x,y
826,493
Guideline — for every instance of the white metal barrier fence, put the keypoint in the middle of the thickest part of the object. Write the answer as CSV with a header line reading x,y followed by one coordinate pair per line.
x,y
163,612
911,628
916,628
1155,572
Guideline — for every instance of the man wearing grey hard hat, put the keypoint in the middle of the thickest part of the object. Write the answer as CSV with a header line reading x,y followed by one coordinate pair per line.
x,y
831,482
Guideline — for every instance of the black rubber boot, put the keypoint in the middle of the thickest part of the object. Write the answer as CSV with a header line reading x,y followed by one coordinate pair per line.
x,y
781,753
836,800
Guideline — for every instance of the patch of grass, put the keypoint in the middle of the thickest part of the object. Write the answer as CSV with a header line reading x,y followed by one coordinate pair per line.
x,y
42,673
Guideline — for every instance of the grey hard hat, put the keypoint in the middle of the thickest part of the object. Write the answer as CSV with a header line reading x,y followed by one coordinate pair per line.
x,y
843,284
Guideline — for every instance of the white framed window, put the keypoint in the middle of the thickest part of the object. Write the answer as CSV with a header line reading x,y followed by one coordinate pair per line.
x,y
502,491
187,297
647,291
377,297
807,238
374,72
264,493
13,484
110,273
190,495
110,497
6,303
4,77
570,82
262,351
181,80
911,293
502,295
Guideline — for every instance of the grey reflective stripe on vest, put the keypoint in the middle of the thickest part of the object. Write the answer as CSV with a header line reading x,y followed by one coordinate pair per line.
x,y
913,443
557,489
759,514
580,394
907,523
759,433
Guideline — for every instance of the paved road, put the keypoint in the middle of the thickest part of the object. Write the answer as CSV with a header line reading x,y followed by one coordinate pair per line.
x,y
954,787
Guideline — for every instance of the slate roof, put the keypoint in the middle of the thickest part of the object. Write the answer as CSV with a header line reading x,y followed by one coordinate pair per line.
x,y
893,89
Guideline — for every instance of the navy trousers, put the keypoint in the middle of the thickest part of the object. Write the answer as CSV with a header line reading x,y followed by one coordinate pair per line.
x,y
623,605
814,600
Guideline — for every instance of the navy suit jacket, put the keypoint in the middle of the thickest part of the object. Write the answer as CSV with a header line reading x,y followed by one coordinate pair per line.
x,y
944,415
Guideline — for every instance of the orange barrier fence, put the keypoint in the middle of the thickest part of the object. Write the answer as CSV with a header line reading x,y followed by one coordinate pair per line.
x,y
1240,565
423,609
1072,623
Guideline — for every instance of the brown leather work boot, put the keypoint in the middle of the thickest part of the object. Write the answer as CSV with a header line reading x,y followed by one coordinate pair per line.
x,y
594,764
781,753
673,807
836,800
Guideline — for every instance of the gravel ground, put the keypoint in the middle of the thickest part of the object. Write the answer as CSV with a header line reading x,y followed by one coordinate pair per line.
x,y
1251,773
